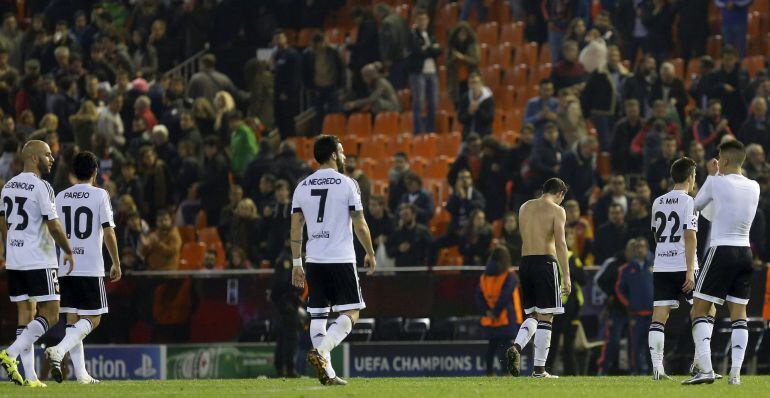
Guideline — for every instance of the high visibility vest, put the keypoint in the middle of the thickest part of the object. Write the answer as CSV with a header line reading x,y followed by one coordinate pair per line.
x,y
491,287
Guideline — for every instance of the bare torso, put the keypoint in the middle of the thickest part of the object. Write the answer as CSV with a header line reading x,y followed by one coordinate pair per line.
x,y
536,220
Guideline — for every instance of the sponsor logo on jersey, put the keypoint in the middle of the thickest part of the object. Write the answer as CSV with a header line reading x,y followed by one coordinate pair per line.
x,y
670,253
20,185
321,235
16,243
78,250
76,195
322,181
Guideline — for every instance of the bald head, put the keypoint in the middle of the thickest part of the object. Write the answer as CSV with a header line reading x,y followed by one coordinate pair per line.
x,y
37,157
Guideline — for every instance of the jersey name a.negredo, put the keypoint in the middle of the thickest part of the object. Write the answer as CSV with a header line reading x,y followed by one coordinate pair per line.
x,y
734,200
326,199
27,202
84,210
672,213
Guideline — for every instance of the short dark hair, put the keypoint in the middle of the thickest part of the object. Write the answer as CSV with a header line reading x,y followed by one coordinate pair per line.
x,y
729,49
412,177
325,146
734,150
84,165
682,169
421,11
209,60
401,154
318,37
162,212
212,140
555,186
545,81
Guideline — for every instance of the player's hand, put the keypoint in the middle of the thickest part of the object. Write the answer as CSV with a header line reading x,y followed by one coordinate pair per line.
x,y
115,273
713,167
68,259
298,277
566,286
370,264
689,282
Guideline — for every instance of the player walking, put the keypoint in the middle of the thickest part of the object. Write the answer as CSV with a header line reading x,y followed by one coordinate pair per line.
x,y
674,224
328,202
542,233
728,268
30,226
87,216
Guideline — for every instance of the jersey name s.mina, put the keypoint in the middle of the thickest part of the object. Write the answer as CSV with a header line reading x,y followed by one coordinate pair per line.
x,y
28,201
326,199
734,199
84,210
672,213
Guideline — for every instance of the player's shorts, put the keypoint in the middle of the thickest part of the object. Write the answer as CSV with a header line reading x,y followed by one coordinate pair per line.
x,y
333,287
540,285
726,275
83,295
668,289
37,284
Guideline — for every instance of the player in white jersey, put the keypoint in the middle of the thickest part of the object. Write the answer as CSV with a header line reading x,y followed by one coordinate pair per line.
x,y
30,226
87,216
674,225
329,204
728,268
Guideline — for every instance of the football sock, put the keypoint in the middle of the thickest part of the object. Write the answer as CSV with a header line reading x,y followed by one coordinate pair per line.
x,y
738,340
78,361
338,330
701,335
27,358
28,337
542,342
526,331
74,334
317,335
656,338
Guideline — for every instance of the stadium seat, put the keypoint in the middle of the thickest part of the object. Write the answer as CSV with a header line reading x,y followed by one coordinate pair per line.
x,y
501,55
483,55
513,120
374,147
543,72
754,64
437,168
305,36
200,220
506,98
492,76
443,122
444,102
449,144
417,165
450,256
451,14
335,36
516,76
439,224
219,249
188,234
407,124
192,256
387,123
678,66
401,143
415,329
497,122
425,145
544,55
209,236
509,138
714,46
487,33
362,331
360,124
693,68
405,98
334,123
513,33
389,329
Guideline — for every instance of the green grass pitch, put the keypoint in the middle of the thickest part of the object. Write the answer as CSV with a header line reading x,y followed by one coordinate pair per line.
x,y
592,387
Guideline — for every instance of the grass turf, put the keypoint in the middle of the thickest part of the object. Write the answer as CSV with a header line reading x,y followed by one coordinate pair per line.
x,y
593,387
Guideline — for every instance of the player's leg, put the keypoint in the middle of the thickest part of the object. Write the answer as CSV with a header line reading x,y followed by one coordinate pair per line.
x,y
656,337
77,354
74,335
529,326
542,343
43,288
701,334
737,300
26,313
319,306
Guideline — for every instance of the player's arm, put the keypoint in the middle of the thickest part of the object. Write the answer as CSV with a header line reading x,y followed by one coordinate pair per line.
x,y
111,241
297,272
705,196
690,247
57,232
361,229
561,248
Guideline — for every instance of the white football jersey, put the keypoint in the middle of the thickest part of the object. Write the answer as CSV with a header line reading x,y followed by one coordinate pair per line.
x,y
672,213
28,201
326,199
84,211
734,199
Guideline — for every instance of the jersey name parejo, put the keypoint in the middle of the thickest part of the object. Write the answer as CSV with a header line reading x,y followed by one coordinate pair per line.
x,y
27,202
84,211
326,198
672,213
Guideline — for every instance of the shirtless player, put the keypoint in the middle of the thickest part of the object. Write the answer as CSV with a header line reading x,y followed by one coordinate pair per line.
x,y
542,232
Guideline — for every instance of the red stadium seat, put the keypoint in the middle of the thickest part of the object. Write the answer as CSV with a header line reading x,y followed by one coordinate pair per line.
x,y
360,124
487,33
334,123
513,33
188,234
387,123
192,256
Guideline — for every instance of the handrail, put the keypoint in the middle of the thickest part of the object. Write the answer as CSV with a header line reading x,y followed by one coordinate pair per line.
x,y
203,273
190,66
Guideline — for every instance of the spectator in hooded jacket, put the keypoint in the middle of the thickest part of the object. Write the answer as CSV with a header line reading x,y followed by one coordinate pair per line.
x,y
477,109
418,197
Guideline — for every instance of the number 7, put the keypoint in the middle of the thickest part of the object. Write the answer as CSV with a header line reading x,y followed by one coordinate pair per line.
x,y
322,205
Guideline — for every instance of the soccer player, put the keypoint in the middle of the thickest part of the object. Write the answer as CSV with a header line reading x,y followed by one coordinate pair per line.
x,y
30,226
674,225
328,202
728,268
87,216
543,242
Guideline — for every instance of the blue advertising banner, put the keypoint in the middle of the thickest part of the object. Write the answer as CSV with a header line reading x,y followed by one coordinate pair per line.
x,y
105,362
420,359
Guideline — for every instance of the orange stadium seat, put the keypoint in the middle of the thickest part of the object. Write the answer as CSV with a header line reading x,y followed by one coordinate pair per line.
x,y
304,37
425,145
374,147
221,256
187,232
513,33
334,123
335,36
678,66
439,224
497,122
417,164
545,54
487,33
451,14
387,123
516,76
444,102
754,21
513,120
543,72
754,64
437,168
360,124
200,220
407,123
483,55
492,76
714,46
449,144
443,122
693,68
192,256
209,236
401,143
405,98
501,55
450,256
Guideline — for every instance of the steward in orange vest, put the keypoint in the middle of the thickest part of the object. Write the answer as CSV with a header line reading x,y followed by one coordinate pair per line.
x,y
498,298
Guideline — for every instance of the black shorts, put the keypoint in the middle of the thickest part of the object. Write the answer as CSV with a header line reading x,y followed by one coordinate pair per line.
x,y
668,289
726,275
540,285
333,287
83,295
38,284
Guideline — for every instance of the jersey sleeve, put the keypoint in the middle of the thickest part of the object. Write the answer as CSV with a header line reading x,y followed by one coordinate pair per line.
x,y
46,202
105,212
690,216
704,196
354,196
295,205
